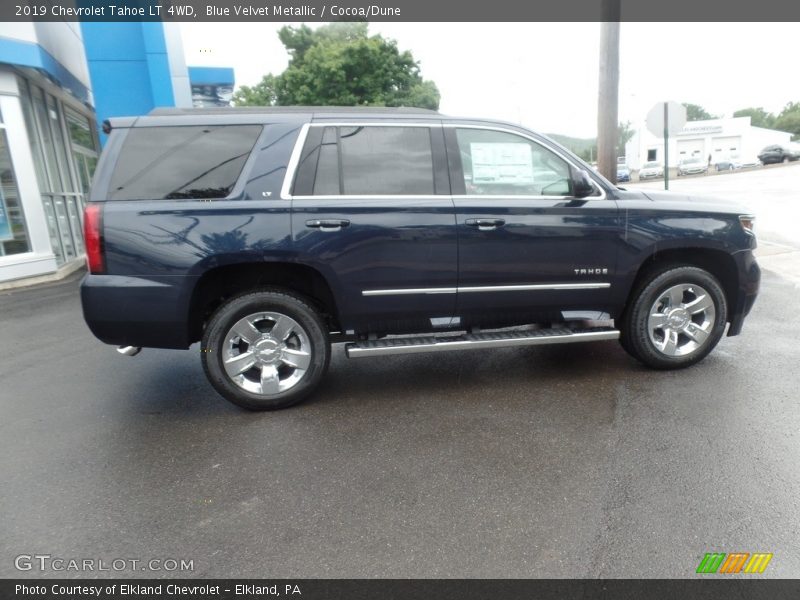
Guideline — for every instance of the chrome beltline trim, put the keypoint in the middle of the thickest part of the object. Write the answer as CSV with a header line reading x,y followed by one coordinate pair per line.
x,y
489,288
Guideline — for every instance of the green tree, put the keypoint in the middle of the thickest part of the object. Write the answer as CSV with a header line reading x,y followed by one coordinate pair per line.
x,y
261,94
695,112
340,64
625,134
758,117
789,119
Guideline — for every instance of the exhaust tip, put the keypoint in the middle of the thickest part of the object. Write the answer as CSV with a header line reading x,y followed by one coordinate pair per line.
x,y
129,350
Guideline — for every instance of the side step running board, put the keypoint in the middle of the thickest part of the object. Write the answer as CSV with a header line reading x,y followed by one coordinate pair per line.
x,y
498,339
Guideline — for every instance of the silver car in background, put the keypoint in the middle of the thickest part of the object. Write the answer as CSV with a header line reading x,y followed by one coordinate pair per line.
x,y
651,170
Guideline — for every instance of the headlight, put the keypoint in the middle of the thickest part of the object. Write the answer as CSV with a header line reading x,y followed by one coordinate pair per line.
x,y
748,222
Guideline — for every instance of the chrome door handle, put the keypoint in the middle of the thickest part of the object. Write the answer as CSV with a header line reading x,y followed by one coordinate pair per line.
x,y
327,224
485,224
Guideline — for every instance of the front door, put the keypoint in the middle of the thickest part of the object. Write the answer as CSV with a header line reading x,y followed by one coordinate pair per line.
x,y
528,250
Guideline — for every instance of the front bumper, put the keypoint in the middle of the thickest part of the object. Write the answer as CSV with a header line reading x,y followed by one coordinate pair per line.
x,y
749,281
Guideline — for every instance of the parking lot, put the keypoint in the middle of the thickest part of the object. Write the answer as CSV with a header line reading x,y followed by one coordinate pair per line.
x,y
561,461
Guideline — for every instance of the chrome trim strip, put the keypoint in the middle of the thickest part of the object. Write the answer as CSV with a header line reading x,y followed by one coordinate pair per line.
x,y
354,351
407,291
489,288
534,286
368,197
294,160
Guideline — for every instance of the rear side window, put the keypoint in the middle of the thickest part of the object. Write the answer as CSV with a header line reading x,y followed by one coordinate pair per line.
x,y
158,163
366,161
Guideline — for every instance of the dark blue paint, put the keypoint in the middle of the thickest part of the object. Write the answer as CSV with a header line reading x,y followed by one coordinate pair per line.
x,y
157,251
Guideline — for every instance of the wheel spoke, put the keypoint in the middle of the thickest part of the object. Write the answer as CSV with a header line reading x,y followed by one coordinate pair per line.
x,y
246,331
282,328
675,296
701,304
270,380
697,334
239,364
296,358
670,343
657,320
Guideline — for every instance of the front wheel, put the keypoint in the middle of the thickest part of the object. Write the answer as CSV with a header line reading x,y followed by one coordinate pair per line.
x,y
675,318
265,350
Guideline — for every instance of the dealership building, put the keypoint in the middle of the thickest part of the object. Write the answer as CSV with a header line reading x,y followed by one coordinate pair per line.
x,y
717,138
57,81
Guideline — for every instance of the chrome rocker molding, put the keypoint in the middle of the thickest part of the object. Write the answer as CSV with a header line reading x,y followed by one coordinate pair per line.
x,y
500,339
488,288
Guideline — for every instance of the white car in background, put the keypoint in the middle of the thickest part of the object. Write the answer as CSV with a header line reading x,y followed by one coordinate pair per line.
x,y
651,170
692,166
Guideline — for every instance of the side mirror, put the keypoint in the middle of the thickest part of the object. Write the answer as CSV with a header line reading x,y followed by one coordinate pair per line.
x,y
582,185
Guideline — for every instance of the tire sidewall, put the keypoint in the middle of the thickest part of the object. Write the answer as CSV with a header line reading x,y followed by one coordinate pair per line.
x,y
636,336
265,301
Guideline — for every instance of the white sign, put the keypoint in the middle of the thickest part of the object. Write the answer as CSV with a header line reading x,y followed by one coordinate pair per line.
x,y
676,117
501,163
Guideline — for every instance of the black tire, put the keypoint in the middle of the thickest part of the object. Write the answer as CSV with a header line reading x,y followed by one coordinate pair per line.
x,y
642,342
307,338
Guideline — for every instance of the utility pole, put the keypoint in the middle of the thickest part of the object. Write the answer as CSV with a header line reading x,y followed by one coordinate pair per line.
x,y
608,98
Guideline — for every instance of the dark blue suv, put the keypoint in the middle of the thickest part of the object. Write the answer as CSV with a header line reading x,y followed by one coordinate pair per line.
x,y
269,234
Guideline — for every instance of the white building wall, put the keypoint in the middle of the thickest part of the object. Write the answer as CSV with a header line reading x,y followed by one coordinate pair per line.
x,y
713,137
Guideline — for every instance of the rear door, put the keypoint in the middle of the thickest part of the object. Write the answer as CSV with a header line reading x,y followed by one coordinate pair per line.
x,y
371,210
528,249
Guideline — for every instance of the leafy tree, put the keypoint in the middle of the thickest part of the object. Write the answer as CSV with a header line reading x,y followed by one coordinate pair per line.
x,y
340,64
789,119
625,134
261,94
694,112
758,117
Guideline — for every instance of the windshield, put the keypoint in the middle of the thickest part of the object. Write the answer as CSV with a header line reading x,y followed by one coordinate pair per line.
x,y
651,165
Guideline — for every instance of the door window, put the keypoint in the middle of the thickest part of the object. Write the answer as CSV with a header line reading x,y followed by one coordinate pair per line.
x,y
496,163
366,161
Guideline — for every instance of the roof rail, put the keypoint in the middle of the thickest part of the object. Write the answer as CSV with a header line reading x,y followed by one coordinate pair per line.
x,y
227,110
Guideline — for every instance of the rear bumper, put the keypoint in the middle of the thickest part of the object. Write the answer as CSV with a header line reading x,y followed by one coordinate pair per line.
x,y
131,311
749,281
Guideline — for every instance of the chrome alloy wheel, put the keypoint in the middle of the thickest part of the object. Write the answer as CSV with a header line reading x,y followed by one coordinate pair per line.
x,y
266,353
681,319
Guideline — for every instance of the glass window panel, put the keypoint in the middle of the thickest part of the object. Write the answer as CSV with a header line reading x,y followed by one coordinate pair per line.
x,y
62,221
497,163
52,228
386,160
326,181
13,229
181,162
80,132
75,223
56,123
33,134
43,122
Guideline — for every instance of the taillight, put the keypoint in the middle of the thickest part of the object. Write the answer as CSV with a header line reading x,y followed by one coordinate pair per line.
x,y
93,236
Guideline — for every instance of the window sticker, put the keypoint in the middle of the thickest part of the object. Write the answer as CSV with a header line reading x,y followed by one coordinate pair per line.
x,y
494,162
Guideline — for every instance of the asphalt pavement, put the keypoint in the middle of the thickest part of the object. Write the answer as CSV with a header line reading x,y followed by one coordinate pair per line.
x,y
560,461
563,461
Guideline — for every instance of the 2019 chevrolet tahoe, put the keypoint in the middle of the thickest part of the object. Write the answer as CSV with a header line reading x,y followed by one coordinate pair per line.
x,y
269,234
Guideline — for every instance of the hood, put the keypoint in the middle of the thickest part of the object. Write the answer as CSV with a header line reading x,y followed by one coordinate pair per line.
x,y
703,203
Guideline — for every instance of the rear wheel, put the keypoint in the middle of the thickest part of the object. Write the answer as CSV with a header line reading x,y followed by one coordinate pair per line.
x,y
676,317
785,159
265,350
